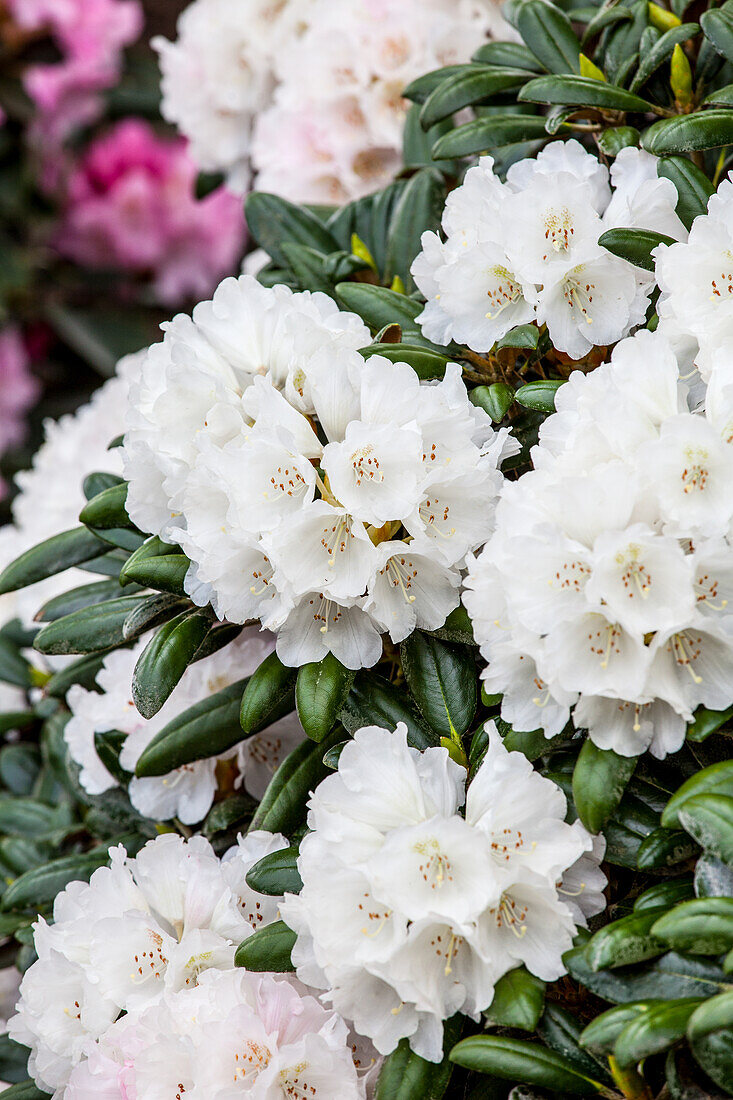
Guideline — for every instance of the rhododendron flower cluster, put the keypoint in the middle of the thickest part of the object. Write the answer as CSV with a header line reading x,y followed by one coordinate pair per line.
x,y
188,792
90,35
330,496
625,607
411,911
306,94
527,250
19,389
134,987
131,205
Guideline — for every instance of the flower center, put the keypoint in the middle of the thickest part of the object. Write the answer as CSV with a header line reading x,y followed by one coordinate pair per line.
x,y
696,473
558,230
506,292
366,465
579,295
400,574
708,590
436,867
635,577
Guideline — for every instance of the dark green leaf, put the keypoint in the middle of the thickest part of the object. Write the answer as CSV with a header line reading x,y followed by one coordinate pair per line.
x,y
713,878
420,208
517,1060
86,595
561,1031
613,141
581,91
664,895
206,729
52,556
283,805
487,133
374,701
710,1032
88,630
20,765
379,307
716,779
268,696
626,941
717,25
320,693
309,267
514,55
165,658
664,848
476,85
653,1030
107,509
25,1090
418,90
661,50
634,245
702,926
406,1076
601,1035
519,998
689,133
495,399
150,612
39,886
456,628
707,722
276,874
693,187
82,671
14,669
425,363
523,336
539,395
268,949
549,34
273,222
600,778
723,97
670,976
165,572
442,680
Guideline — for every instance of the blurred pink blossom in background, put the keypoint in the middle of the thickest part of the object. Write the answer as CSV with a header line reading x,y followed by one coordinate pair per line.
x,y
131,204
18,391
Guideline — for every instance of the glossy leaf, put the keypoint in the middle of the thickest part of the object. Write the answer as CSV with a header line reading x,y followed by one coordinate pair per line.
x,y
539,395
50,557
581,91
164,572
208,728
519,998
495,399
486,133
151,612
634,245
600,778
517,1060
653,1030
268,696
689,133
406,1076
442,680
283,805
665,848
425,362
477,84
707,722
320,693
601,1034
276,874
717,25
91,629
107,509
702,926
268,949
165,658
710,1032
660,51
550,36
669,976
626,941
420,209
273,221
86,595
374,701
716,779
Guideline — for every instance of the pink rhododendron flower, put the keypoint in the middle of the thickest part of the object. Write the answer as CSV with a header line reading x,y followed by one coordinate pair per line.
x,y
18,390
131,205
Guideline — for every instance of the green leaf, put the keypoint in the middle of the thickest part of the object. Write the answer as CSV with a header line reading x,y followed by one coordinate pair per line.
x,y
82,671
664,848
513,55
14,669
309,267
425,363
208,728
716,779
539,395
406,1076
477,84
612,141
123,538
268,696
374,701
517,1060
165,658
420,208
519,998
717,25
150,612
273,222
702,926
419,89
268,949
710,1032
533,743
20,765
581,91
707,722
605,17
689,133
320,693
713,878
495,399
456,628
25,1090
626,941
723,97
550,36
39,886
561,1031
634,245
488,133
52,556
661,50
654,1030
276,874
664,895
693,187
442,680
523,336
283,805
379,307
601,1034
600,778
107,509
86,595
669,976
27,817
89,630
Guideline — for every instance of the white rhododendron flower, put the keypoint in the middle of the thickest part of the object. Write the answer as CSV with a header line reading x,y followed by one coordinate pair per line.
x,y
330,496
134,987
411,911
188,792
608,581
527,250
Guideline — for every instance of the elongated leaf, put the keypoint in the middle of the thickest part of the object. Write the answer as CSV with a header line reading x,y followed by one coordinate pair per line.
x,y
655,1029
86,595
283,804
379,307
165,658
693,187
634,245
600,778
723,97
419,89
442,680
717,25
548,33
716,779
483,134
425,363
478,84
14,669
561,1031
25,1090
276,874
274,221
495,399
206,729
88,630
523,336
82,671
670,976
39,886
663,895
516,1060
268,696
613,141
52,556
660,51
665,848
165,572
405,1075
702,926
309,267
320,693
581,91
710,1031
420,208
150,612
689,133
713,878
107,509
374,701
513,55
601,1035
539,395
268,949
626,941
707,722
519,998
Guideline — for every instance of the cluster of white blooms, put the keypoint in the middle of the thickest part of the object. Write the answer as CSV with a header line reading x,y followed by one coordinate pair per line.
x,y
527,250
305,92
410,911
608,582
134,991
330,496
696,283
188,792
